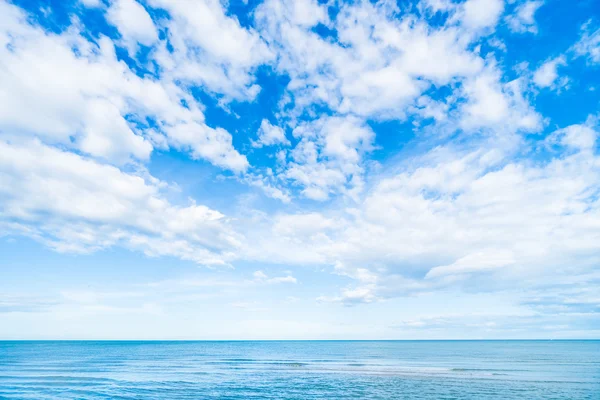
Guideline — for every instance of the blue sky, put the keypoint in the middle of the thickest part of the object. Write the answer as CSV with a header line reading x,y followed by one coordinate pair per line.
x,y
299,169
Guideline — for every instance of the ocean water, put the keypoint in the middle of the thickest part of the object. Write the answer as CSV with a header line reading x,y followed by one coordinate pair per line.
x,y
301,370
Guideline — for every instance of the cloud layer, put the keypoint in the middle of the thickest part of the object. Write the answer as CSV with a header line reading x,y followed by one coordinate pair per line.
x,y
401,150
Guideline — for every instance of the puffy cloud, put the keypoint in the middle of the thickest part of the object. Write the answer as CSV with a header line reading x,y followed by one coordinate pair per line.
x,y
380,64
579,137
473,218
222,66
133,21
476,204
70,97
269,135
478,14
329,156
547,75
83,97
496,105
76,204
523,18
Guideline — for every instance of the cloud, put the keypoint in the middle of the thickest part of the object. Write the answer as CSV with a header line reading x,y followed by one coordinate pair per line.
x,y
406,156
91,3
523,18
269,135
352,296
472,263
133,21
546,76
43,77
514,324
261,277
580,137
221,66
24,304
379,67
248,306
497,106
589,43
282,279
84,98
478,14
434,219
78,205
379,64
268,186
302,225
328,158
90,296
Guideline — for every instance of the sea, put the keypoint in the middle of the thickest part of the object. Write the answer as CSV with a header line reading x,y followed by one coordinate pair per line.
x,y
559,369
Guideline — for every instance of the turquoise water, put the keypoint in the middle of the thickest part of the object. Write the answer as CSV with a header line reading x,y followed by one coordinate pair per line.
x,y
301,370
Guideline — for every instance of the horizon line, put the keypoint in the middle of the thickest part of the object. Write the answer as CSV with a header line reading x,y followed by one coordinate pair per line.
x,y
301,340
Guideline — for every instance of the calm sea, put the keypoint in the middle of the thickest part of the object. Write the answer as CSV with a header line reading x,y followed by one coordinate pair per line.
x,y
301,370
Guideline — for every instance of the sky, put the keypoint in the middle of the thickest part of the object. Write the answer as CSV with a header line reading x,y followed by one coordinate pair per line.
x,y
178,169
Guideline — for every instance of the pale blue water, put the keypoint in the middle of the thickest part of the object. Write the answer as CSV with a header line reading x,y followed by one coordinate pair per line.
x,y
301,370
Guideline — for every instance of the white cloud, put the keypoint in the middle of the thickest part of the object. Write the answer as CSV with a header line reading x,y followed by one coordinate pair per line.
x,y
477,262
91,3
579,137
43,77
496,105
478,14
438,5
268,186
205,20
261,277
107,134
523,18
76,204
222,66
205,142
282,279
301,225
308,13
133,22
547,74
69,91
379,69
481,212
269,135
350,296
589,43
435,218
379,66
329,156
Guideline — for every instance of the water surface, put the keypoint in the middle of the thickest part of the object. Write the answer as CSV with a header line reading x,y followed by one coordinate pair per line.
x,y
300,370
